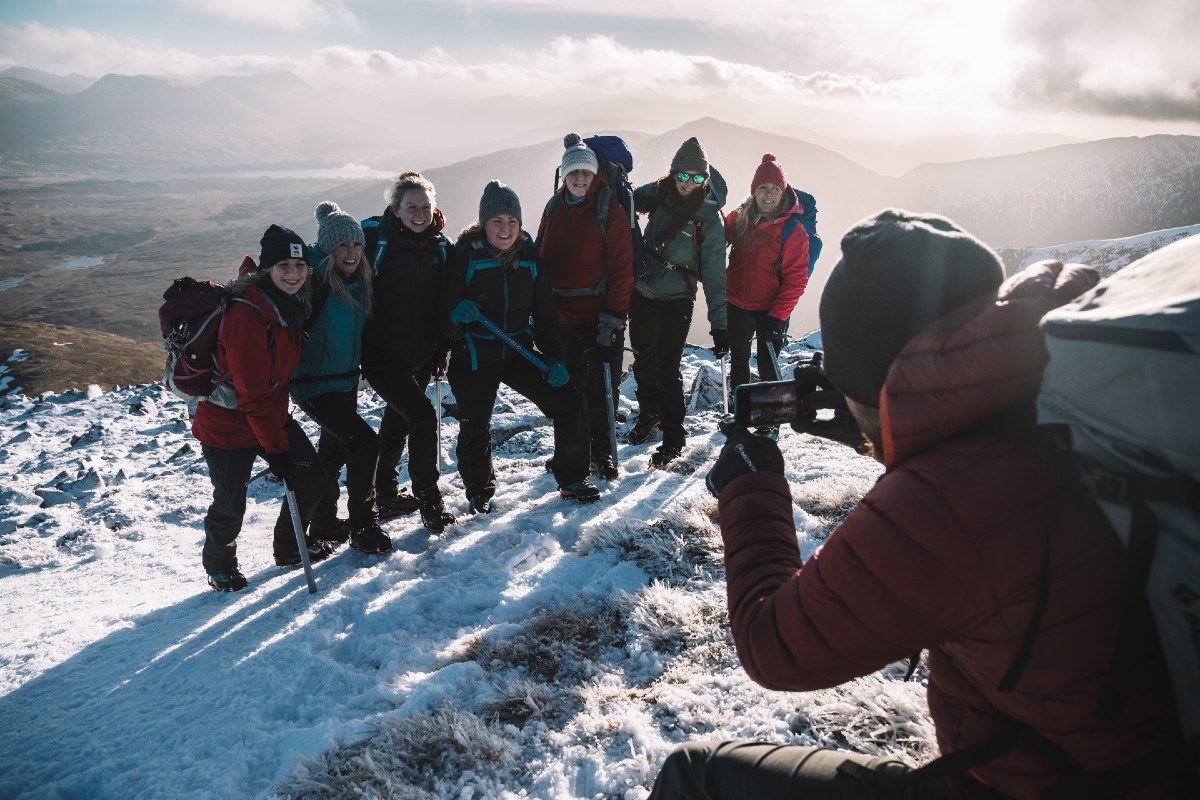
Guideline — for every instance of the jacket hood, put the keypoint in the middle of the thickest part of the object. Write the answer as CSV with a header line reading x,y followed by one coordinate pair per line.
x,y
981,358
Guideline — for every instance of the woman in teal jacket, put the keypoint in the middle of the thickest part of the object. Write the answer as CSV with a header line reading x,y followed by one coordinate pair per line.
x,y
685,245
325,384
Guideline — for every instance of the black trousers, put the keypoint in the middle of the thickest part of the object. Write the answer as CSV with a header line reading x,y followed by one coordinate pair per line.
x,y
393,434
587,375
757,770
743,326
475,390
346,441
402,390
657,332
229,470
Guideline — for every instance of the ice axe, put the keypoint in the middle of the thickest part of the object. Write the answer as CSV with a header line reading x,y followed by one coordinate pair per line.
x,y
612,413
513,343
294,508
725,383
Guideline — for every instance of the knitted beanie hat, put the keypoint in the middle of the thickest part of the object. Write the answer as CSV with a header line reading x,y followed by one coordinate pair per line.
x,y
899,273
770,172
577,156
335,227
498,199
279,244
690,157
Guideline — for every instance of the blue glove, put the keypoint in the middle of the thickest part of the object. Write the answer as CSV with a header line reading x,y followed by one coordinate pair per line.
x,y
558,375
466,311
742,454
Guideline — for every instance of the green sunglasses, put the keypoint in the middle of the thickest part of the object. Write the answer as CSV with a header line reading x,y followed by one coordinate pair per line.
x,y
684,177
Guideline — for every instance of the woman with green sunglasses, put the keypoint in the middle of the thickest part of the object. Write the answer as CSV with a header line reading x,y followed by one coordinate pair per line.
x,y
685,246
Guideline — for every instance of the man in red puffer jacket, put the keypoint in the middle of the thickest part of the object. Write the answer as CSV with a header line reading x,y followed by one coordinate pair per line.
x,y
940,363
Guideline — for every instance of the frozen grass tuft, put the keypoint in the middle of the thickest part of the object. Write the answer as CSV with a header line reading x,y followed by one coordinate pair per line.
x,y
429,755
680,547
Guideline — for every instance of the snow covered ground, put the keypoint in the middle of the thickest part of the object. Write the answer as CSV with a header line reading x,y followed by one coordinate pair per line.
x,y
547,650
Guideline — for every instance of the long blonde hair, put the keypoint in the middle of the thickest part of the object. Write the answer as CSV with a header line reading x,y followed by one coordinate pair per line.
x,y
748,211
362,273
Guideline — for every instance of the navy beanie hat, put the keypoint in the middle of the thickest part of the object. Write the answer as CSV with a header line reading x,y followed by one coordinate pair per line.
x,y
280,244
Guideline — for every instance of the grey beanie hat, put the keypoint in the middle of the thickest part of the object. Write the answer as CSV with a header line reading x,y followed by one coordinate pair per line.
x,y
577,156
498,199
899,273
690,157
335,227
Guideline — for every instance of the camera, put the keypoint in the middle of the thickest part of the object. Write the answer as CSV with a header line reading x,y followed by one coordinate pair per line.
x,y
796,401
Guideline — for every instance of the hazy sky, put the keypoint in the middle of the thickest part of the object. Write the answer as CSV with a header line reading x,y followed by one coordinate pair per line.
x,y
1085,67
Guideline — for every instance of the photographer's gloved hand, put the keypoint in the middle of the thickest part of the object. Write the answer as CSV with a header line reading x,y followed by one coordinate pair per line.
x,y
607,335
558,375
720,342
742,454
777,330
281,466
466,311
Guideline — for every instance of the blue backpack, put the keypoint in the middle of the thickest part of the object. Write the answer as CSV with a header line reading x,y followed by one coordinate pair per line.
x,y
809,220
616,162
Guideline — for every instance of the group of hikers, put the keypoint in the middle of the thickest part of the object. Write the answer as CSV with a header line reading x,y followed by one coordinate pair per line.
x,y
394,301
937,355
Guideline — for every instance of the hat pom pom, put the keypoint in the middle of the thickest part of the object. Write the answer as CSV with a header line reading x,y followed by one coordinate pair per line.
x,y
572,140
325,209
768,158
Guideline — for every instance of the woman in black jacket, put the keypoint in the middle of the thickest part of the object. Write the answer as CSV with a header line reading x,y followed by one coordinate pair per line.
x,y
496,275
401,345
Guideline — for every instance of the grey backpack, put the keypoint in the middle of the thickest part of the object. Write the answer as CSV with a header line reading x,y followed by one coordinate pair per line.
x,y
1124,380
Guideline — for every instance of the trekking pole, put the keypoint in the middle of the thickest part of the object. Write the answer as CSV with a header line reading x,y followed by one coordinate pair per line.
x,y
774,360
513,343
612,414
725,383
299,529
437,407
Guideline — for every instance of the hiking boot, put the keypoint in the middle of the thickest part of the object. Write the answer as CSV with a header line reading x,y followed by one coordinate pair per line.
x,y
550,464
398,505
583,491
434,515
664,455
231,581
770,431
603,467
370,539
317,551
480,504
334,531
643,429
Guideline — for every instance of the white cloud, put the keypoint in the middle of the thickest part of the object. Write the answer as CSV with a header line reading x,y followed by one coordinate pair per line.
x,y
290,15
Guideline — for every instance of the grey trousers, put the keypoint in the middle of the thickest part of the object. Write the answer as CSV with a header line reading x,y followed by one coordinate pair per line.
x,y
760,771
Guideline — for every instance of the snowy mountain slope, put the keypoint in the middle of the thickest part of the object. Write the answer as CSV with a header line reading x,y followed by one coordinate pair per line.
x,y
1106,255
1102,189
548,650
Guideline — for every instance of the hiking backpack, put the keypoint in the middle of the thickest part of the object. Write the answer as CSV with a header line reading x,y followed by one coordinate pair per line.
x,y
809,220
190,319
616,162
1121,391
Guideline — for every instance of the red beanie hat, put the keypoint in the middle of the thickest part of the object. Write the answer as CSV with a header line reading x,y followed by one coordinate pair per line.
x,y
768,171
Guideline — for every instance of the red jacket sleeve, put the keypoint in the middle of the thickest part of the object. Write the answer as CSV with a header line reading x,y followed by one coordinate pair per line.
x,y
794,278
618,247
869,596
244,334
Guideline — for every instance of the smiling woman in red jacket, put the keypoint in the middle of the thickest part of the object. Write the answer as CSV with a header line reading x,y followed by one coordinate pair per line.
x,y
259,347
767,271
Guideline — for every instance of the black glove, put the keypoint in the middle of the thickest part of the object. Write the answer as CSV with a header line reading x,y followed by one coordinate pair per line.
x,y
720,342
608,335
281,466
776,330
742,454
